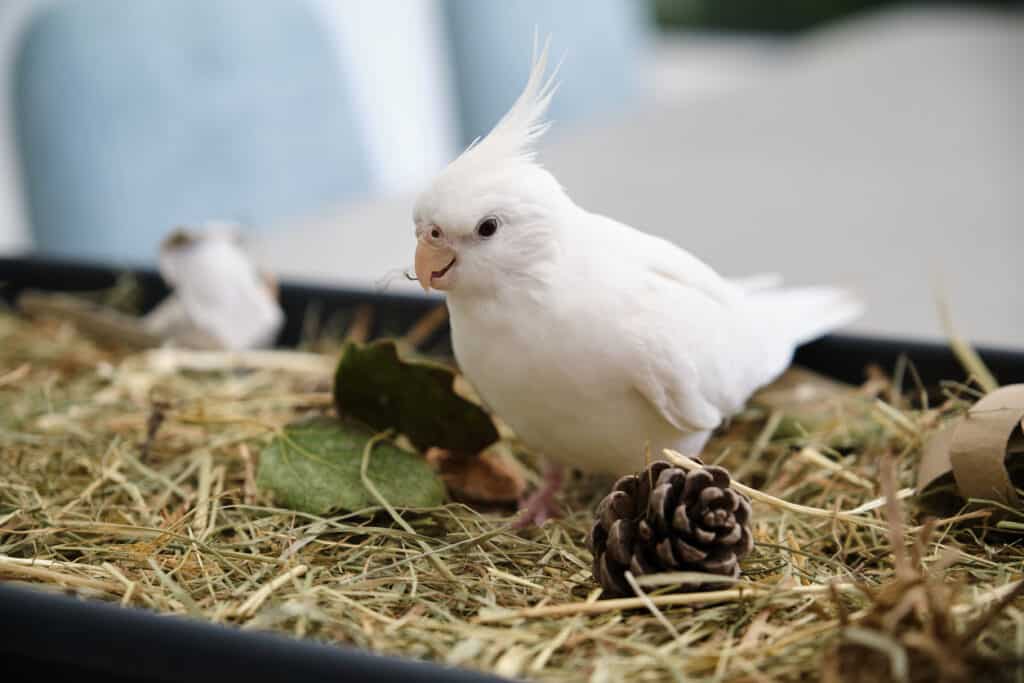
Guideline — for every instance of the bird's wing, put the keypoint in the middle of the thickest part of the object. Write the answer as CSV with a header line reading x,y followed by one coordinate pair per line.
x,y
671,383
699,352
697,360
665,259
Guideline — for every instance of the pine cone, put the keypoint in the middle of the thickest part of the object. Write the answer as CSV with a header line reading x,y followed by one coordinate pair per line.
x,y
668,519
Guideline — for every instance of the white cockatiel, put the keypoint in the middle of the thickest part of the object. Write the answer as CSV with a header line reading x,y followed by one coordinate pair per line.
x,y
591,339
220,299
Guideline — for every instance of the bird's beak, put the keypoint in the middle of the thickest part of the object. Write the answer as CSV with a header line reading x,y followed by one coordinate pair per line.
x,y
432,263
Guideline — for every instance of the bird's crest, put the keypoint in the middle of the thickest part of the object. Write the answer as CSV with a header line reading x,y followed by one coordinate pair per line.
x,y
513,138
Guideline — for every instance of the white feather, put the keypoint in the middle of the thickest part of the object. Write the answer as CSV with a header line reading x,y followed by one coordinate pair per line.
x,y
514,137
754,283
511,144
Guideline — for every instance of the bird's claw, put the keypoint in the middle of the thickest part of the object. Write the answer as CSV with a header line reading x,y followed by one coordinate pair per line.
x,y
541,506
537,509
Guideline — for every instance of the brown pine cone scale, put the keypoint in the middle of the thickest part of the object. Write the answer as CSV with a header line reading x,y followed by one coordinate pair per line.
x,y
668,519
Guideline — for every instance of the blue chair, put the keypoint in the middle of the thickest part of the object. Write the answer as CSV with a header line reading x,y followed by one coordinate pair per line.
x,y
133,117
604,43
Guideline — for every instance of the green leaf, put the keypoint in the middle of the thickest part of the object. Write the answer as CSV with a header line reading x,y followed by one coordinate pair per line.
x,y
416,398
315,467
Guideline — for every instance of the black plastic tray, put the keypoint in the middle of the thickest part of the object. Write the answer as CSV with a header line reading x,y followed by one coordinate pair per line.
x,y
841,356
62,637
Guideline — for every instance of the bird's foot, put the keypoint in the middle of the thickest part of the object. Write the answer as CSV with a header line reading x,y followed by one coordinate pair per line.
x,y
541,505
537,509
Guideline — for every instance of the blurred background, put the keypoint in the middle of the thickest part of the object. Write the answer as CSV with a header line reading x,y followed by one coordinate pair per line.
x,y
869,143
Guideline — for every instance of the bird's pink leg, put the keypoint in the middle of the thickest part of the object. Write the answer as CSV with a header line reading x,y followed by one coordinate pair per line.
x,y
541,505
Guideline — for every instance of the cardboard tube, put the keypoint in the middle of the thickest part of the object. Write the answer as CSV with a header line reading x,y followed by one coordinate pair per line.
x,y
980,444
935,458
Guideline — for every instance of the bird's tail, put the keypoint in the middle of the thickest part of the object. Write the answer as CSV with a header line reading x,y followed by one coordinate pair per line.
x,y
806,313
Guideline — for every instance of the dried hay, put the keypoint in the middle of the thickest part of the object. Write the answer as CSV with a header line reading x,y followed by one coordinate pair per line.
x,y
129,479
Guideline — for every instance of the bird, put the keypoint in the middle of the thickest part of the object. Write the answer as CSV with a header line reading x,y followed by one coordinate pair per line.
x,y
220,299
594,341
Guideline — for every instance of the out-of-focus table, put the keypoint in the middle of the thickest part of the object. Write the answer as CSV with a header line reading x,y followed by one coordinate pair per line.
x,y
887,154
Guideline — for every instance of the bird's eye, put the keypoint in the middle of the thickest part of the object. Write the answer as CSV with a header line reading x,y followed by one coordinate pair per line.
x,y
487,226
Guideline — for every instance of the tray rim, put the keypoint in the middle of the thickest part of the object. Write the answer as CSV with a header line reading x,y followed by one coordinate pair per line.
x,y
885,347
94,636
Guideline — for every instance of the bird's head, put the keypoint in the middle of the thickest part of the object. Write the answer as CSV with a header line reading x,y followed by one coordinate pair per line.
x,y
490,217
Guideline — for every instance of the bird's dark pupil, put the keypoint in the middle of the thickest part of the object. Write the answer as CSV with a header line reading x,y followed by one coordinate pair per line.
x,y
435,233
488,227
